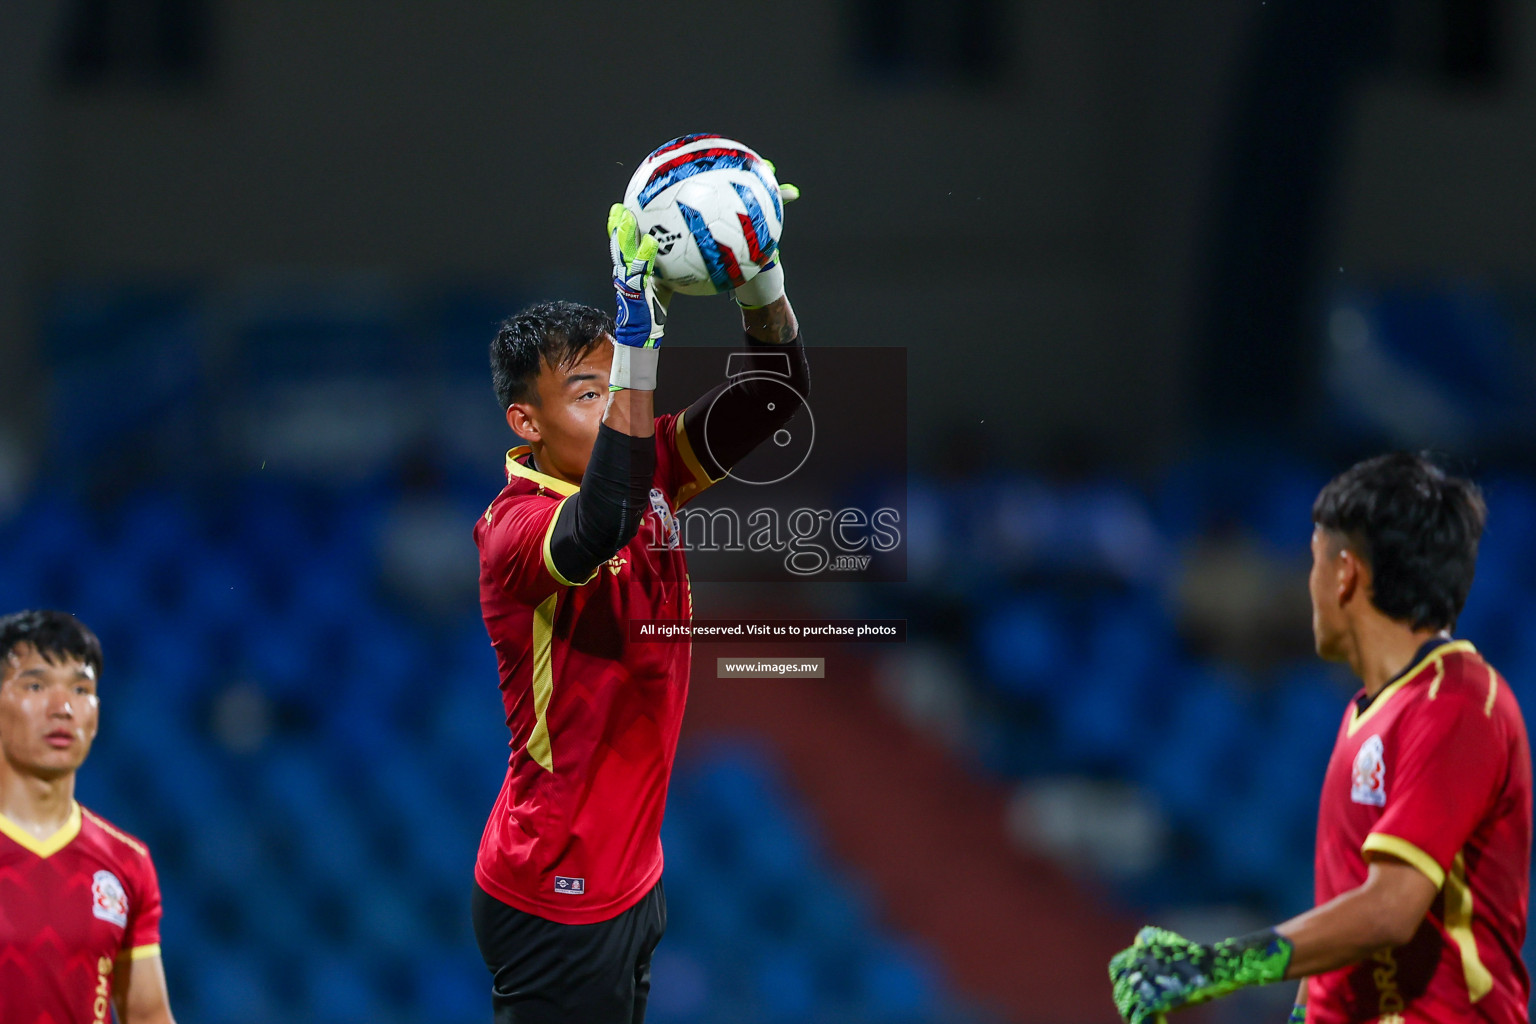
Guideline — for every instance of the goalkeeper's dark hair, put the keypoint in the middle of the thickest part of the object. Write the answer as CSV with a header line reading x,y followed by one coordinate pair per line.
x,y
1416,526
558,333
57,636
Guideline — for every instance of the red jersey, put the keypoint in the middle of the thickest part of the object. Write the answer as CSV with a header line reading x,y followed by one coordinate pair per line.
x,y
72,908
575,835
1436,771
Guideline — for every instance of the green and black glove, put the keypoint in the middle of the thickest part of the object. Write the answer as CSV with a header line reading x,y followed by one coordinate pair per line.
x,y
1163,970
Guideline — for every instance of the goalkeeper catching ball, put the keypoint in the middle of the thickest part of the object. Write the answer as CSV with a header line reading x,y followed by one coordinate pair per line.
x,y
568,903
1424,828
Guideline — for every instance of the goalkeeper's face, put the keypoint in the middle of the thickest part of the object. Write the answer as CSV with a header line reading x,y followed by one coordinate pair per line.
x,y
562,425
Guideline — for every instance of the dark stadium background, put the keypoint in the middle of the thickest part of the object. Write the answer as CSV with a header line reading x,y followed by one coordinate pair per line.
x,y
1159,270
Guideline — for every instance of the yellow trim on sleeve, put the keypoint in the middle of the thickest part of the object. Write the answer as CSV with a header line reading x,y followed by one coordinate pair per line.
x,y
1357,718
1458,923
553,483
549,558
44,848
116,833
1403,850
701,477
1493,692
538,745
141,952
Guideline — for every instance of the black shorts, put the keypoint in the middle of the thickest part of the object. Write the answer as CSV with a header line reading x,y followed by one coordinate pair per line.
x,y
584,973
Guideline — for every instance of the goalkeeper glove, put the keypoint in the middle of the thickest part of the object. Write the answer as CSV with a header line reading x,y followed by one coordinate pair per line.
x,y
1298,1014
767,285
1163,970
641,318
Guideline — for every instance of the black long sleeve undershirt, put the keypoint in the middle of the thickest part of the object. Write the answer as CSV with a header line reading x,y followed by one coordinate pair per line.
x,y
737,413
604,516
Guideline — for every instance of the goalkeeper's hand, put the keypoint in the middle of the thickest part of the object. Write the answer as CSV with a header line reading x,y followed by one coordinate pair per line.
x,y
767,285
1163,970
641,318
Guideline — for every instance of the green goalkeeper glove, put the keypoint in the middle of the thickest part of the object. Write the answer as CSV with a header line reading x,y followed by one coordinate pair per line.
x,y
641,316
1163,970
1298,1014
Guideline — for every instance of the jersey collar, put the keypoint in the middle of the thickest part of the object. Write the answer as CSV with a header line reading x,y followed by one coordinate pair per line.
x,y
44,848
544,480
1436,654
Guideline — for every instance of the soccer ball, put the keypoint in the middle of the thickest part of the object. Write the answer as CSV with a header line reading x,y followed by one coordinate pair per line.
x,y
713,206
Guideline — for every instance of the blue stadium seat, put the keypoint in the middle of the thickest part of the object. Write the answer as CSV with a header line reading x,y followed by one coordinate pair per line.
x,y
786,982
451,987
682,986
1282,516
1021,644
1196,759
232,987
899,983
1248,841
339,991
226,847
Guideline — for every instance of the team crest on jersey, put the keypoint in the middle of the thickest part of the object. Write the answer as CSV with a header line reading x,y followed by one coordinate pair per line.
x,y
669,532
108,900
570,886
1368,781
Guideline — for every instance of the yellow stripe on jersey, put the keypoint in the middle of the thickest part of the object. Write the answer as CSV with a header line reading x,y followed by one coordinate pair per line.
x,y
701,478
1403,850
44,848
549,558
543,681
1434,686
1458,922
1493,691
115,834
1357,718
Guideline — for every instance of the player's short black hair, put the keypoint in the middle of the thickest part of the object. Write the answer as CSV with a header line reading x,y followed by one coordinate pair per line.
x,y
57,636
558,333
1416,526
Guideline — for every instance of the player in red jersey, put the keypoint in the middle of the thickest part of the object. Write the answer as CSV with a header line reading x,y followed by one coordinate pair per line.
x,y
79,901
568,903
1424,827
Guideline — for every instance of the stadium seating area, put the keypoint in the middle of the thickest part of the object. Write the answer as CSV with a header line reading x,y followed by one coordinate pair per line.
x,y
1072,611
312,768
300,715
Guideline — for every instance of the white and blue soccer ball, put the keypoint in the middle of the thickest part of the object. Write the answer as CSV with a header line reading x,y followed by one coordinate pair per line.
x,y
713,206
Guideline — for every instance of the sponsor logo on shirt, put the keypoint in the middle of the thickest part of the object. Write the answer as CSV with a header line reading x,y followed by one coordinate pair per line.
x,y
103,1001
1389,999
572,886
670,535
1368,781
108,900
